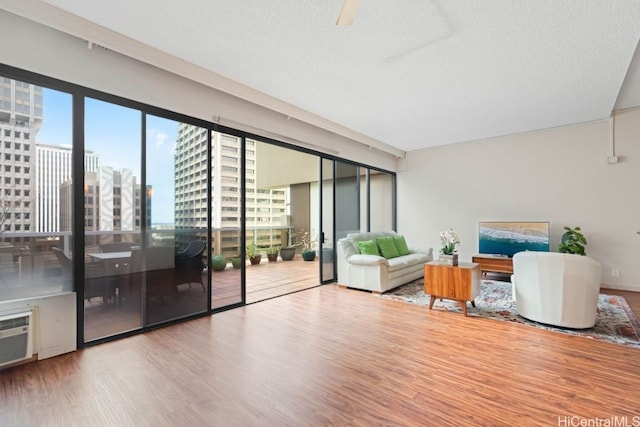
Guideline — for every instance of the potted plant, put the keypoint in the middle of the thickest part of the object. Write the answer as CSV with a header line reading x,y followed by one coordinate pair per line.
x,y
236,261
253,253
308,247
218,263
272,253
573,242
287,253
448,251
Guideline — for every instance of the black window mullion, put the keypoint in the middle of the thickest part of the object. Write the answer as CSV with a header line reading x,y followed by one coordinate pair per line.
x,y
78,236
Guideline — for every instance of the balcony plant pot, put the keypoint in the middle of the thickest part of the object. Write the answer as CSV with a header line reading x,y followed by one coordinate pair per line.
x,y
255,259
218,263
287,254
272,253
236,261
309,255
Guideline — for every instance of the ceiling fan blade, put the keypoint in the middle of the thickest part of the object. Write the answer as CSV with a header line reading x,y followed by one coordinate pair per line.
x,y
348,12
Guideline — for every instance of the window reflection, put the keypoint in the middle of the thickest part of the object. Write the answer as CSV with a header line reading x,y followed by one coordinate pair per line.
x,y
112,201
35,160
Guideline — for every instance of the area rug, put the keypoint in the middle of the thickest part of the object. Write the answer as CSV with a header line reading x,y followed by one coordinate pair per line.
x,y
615,321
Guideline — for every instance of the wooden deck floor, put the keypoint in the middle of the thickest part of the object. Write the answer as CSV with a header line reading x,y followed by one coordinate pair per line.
x,y
329,356
265,280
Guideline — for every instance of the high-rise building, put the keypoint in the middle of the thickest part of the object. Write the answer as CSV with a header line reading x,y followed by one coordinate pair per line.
x,y
53,167
20,120
264,207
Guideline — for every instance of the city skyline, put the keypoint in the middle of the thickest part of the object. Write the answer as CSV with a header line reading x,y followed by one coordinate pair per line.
x,y
112,140
116,142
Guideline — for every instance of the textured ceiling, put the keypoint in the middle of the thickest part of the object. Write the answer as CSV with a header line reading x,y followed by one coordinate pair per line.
x,y
409,73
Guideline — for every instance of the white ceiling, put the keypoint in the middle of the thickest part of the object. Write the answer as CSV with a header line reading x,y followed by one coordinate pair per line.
x,y
408,73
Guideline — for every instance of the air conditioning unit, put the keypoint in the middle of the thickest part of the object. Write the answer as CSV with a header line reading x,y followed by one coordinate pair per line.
x,y
15,337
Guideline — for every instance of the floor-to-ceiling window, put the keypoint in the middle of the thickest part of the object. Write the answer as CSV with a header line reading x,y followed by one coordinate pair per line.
x,y
112,218
348,196
282,210
162,205
327,211
176,197
145,221
35,170
225,229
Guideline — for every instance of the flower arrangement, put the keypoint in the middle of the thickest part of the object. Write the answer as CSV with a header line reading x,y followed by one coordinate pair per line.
x,y
450,241
308,243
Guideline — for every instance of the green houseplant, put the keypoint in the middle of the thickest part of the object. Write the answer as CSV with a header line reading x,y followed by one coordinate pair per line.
x,y
308,247
253,253
573,242
272,253
236,261
218,263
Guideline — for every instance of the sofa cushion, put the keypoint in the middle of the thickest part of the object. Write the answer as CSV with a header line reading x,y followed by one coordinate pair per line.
x,y
405,261
359,259
368,247
401,245
348,247
387,247
358,237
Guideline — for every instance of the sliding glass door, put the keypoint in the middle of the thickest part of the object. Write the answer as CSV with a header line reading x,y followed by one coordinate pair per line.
x,y
173,254
225,229
282,210
327,211
347,197
381,195
145,219
112,218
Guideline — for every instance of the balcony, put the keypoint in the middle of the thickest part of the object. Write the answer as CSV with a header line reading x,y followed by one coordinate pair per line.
x,y
29,268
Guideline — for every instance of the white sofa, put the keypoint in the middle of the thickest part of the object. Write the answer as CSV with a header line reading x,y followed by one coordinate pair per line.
x,y
375,273
556,288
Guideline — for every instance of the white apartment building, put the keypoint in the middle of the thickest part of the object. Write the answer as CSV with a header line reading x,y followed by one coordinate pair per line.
x,y
53,167
20,120
264,207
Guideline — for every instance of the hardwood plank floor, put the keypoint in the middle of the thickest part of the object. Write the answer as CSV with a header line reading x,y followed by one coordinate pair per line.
x,y
329,356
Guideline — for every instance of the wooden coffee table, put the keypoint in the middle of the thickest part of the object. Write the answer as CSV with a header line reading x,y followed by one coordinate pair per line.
x,y
460,283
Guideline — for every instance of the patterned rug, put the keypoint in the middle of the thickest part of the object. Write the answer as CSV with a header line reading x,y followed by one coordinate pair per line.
x,y
615,321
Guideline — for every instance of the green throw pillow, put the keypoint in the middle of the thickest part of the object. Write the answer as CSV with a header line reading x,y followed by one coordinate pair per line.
x,y
387,247
368,247
401,245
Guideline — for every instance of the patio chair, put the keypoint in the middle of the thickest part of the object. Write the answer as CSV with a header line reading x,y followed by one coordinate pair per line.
x,y
155,267
189,264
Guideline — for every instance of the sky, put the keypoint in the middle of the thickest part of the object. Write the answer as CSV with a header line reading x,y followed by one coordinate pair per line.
x,y
113,133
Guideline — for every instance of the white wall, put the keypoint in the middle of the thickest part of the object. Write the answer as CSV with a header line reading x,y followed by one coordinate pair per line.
x,y
34,47
557,175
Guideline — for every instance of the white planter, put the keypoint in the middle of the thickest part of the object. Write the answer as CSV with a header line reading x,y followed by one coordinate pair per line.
x,y
449,259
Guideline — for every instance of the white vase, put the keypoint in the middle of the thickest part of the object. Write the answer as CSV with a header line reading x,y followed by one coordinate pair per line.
x,y
449,259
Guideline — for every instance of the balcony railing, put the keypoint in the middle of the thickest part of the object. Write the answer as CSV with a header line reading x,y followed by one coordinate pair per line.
x,y
29,267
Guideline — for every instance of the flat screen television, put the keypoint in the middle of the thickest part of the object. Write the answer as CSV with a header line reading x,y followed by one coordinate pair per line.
x,y
506,238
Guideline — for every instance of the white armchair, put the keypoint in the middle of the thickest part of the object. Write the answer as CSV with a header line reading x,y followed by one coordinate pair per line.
x,y
556,288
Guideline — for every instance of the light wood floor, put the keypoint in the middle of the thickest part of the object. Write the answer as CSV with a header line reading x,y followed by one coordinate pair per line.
x,y
329,356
